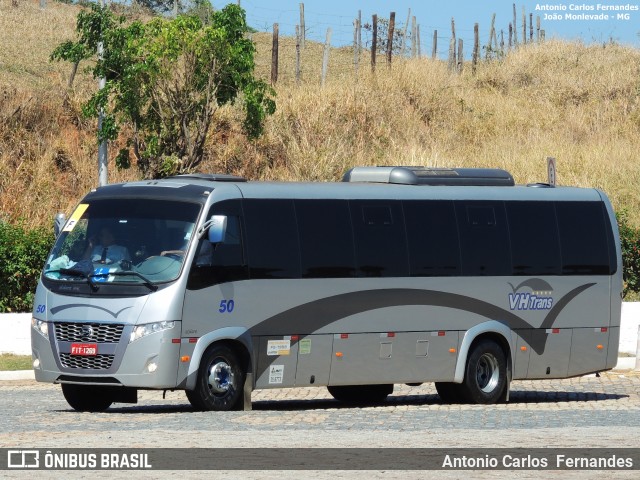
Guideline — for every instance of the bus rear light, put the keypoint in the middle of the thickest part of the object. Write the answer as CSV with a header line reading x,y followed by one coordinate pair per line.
x,y
441,333
344,335
175,340
193,340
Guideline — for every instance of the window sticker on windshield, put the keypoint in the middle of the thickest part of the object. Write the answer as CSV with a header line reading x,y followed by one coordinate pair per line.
x,y
77,214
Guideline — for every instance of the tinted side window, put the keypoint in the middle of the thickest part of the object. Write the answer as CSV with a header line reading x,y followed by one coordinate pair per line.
x,y
432,234
583,238
326,239
225,262
272,238
380,240
535,246
484,238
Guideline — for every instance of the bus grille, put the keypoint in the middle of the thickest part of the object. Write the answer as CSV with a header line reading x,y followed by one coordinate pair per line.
x,y
98,362
88,332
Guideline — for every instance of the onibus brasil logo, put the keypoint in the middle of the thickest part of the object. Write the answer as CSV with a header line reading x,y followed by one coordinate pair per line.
x,y
532,294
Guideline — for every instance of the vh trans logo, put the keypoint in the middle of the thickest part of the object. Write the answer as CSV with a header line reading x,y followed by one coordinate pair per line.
x,y
532,294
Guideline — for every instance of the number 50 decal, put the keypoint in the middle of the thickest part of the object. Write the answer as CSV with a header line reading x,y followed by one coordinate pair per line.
x,y
226,306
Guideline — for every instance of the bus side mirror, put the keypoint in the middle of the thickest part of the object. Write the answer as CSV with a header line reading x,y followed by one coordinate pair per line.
x,y
58,223
217,228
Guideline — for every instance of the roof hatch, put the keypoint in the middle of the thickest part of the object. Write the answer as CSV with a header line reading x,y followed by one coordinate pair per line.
x,y
431,176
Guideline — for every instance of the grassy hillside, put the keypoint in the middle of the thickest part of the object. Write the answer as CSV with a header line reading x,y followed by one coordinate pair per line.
x,y
577,103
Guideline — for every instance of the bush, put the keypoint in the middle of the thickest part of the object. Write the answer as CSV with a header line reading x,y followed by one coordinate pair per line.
x,y
630,243
22,255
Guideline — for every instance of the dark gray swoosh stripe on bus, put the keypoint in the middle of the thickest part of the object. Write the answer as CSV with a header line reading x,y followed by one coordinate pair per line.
x,y
322,312
60,308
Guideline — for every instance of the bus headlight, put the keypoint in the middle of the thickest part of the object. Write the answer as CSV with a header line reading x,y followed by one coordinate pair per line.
x,y
40,326
148,328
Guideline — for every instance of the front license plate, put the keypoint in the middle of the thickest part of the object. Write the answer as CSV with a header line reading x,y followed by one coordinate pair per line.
x,y
84,349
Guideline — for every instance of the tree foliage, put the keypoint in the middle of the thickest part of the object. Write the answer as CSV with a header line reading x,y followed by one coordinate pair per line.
x,y
165,80
22,253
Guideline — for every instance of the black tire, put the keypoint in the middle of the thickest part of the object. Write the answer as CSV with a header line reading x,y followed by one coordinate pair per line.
x,y
485,378
220,381
450,392
85,398
361,393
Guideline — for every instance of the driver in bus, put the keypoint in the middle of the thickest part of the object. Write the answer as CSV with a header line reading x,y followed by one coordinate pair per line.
x,y
105,250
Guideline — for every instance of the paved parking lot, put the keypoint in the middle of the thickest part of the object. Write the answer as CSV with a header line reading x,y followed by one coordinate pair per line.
x,y
579,412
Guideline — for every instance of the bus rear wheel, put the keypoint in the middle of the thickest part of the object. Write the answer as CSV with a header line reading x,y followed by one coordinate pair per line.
x,y
360,393
220,381
485,378
85,398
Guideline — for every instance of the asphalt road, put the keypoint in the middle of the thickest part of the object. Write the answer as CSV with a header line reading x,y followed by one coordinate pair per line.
x,y
579,412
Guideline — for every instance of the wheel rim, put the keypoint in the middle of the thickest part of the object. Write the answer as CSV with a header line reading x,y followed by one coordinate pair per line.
x,y
220,377
487,373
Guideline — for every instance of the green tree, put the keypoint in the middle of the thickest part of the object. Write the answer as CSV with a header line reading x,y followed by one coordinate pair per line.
x,y
165,80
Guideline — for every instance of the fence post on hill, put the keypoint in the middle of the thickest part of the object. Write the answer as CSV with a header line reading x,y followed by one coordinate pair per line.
x,y
460,56
404,34
43,4
476,48
418,41
515,27
374,43
274,55
542,34
297,53
359,31
510,36
434,48
414,34
524,26
356,49
452,46
531,27
392,26
491,32
501,42
325,56
302,26
538,29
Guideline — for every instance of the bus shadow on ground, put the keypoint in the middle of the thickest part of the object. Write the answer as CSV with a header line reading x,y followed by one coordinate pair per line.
x,y
516,398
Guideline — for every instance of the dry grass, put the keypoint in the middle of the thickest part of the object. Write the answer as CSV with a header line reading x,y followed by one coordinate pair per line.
x,y
575,102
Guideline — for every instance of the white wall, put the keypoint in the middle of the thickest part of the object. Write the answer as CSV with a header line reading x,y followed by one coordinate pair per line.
x,y
15,331
629,327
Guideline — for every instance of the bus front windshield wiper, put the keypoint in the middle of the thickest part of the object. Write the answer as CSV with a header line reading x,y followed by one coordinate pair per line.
x,y
129,273
72,272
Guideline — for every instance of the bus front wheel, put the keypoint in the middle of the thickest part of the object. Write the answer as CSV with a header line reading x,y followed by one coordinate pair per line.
x,y
485,378
220,380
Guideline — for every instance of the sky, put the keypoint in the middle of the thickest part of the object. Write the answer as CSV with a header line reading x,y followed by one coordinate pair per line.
x,y
589,21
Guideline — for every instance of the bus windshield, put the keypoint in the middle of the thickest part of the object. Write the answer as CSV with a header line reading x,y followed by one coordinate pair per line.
x,y
124,241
